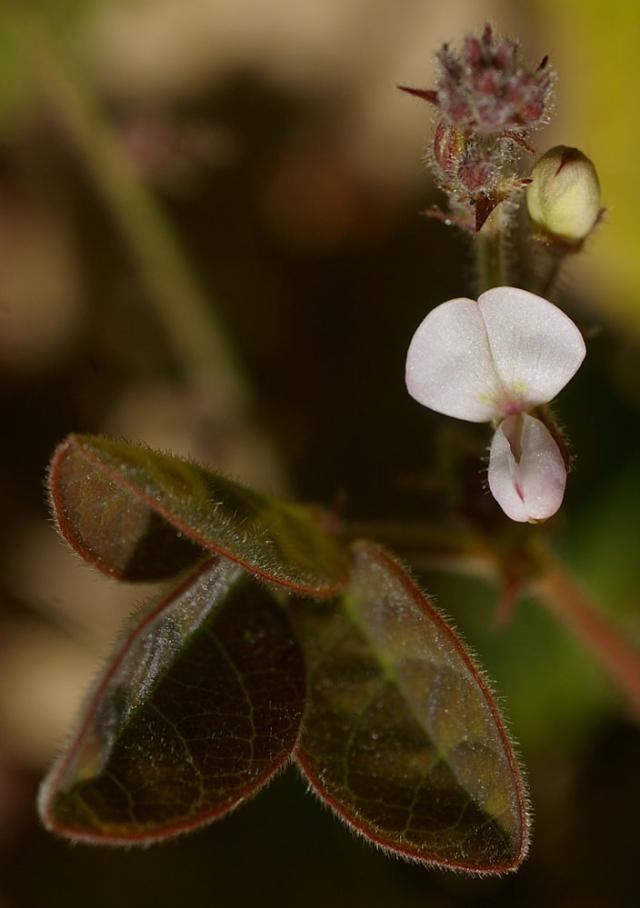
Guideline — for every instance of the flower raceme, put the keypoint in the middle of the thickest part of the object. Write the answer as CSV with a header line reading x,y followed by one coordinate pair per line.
x,y
497,360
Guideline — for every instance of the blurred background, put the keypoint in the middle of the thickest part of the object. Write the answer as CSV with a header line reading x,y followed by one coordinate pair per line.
x,y
211,240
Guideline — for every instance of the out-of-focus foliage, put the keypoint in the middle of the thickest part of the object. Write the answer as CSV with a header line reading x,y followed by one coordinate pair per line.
x,y
17,83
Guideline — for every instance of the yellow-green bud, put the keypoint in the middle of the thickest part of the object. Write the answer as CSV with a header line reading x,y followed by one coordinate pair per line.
x,y
564,196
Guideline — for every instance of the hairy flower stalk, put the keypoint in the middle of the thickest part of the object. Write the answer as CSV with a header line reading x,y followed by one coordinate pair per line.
x,y
499,360
503,358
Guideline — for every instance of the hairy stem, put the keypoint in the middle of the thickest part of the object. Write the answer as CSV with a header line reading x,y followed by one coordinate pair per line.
x,y
491,253
567,601
550,279
180,301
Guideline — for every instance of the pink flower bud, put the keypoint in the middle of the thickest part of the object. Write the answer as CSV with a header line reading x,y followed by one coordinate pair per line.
x,y
488,91
479,173
448,148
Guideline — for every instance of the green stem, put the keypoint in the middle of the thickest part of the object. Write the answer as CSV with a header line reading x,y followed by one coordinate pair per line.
x,y
569,603
491,253
180,301
555,260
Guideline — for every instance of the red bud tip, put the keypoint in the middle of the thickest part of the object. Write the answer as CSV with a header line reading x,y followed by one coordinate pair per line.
x,y
426,94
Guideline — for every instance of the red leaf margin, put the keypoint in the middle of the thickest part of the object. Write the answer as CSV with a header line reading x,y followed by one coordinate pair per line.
x,y
50,785
65,530
517,772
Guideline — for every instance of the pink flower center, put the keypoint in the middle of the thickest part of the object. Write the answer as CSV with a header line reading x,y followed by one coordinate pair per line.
x,y
511,407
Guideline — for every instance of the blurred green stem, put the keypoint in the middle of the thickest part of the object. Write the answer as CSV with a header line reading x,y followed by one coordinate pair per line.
x,y
569,603
553,587
555,260
491,252
181,302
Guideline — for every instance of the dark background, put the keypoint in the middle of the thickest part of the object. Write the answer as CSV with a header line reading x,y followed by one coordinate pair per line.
x,y
291,171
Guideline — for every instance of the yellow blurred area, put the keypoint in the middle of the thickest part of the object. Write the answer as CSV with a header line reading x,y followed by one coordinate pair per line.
x,y
594,47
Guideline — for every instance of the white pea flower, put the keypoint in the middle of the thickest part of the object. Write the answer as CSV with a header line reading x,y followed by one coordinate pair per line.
x,y
496,360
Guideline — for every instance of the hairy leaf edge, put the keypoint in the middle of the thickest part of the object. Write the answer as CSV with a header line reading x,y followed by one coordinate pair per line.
x,y
517,771
324,592
49,786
